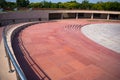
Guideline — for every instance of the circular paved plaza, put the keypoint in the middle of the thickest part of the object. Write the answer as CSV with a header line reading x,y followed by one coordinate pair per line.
x,y
69,50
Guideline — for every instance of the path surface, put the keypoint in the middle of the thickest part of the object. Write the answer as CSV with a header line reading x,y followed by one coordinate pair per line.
x,y
1,28
4,68
64,53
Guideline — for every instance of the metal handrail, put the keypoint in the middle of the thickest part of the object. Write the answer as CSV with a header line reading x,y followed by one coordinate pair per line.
x,y
20,74
9,53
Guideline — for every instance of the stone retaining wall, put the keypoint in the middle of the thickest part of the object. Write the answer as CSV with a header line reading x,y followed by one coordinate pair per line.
x,y
44,15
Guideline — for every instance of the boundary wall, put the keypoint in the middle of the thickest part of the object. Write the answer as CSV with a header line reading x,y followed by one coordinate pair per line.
x,y
45,15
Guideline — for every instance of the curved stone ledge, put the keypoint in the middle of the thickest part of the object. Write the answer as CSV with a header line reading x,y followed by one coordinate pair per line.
x,y
10,32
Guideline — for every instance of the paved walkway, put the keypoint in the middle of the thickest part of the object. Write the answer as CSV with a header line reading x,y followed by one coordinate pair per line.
x,y
4,68
1,28
64,53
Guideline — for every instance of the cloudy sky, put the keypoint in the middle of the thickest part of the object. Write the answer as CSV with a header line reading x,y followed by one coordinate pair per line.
x,y
92,1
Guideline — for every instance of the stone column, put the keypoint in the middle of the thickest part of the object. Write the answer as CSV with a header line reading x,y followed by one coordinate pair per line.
x,y
92,16
108,16
119,17
76,15
61,15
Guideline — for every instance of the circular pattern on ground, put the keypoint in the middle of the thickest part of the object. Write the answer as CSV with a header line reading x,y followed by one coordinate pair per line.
x,y
107,35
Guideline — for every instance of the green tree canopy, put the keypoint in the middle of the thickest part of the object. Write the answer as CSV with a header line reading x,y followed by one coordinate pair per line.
x,y
35,5
69,5
22,3
54,5
85,4
98,6
2,3
72,4
11,5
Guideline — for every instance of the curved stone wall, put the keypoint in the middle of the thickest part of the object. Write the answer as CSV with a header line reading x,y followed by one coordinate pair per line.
x,y
9,34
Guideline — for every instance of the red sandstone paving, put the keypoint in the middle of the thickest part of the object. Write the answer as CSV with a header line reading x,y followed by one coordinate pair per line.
x,y
66,54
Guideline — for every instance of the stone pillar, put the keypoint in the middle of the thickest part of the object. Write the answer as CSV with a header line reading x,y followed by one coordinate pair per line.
x,y
61,15
76,15
108,16
92,16
119,17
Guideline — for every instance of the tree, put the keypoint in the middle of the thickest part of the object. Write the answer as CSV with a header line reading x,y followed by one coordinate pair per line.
x,y
59,5
54,5
11,5
35,5
107,5
22,3
2,3
85,4
72,4
98,6
69,5
113,6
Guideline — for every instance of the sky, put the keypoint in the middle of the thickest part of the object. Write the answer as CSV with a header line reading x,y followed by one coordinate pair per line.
x,y
92,1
